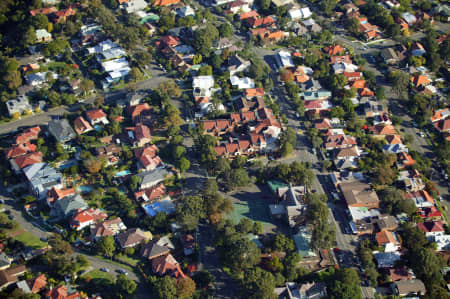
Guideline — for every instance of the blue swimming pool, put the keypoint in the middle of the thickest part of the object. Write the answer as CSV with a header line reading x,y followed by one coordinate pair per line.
x,y
98,128
165,206
123,173
85,189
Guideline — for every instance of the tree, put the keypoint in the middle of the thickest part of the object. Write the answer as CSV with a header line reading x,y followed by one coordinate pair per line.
x,y
286,75
203,279
183,164
258,283
291,262
204,37
143,57
135,180
170,88
185,287
244,226
197,59
234,178
164,288
283,243
345,284
106,246
82,262
205,70
92,165
125,286
286,149
264,4
225,30
86,85
13,79
135,74
400,83
242,254
352,26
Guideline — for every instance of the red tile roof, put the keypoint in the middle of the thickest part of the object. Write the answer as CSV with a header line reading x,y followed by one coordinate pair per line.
x,y
87,215
28,135
254,92
136,111
28,159
431,226
382,129
385,237
152,193
17,150
142,132
167,265
249,14
81,125
43,11
442,125
420,80
259,22
95,114
165,2
430,212
333,49
37,283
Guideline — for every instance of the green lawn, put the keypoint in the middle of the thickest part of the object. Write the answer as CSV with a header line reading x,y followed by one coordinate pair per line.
x,y
97,274
127,260
30,240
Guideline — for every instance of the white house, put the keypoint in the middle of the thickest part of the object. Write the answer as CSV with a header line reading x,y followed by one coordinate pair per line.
x,y
202,86
442,242
18,105
42,178
134,5
284,59
242,83
185,11
37,79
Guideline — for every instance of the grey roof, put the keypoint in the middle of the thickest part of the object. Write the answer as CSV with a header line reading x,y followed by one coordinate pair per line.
x,y
42,176
61,130
389,53
153,176
4,260
67,205
23,286
152,250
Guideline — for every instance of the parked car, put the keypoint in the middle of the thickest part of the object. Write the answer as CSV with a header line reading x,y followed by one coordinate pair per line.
x,y
104,269
122,271
421,134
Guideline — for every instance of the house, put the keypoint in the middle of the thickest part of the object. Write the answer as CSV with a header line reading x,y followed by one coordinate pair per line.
x,y
389,56
319,95
42,178
236,64
18,106
409,18
216,127
5,261
442,242
167,265
43,11
440,115
17,150
383,118
408,288
411,180
140,113
381,130
67,206
404,160
284,59
153,177
132,6
132,237
55,194
19,163
151,194
387,259
386,222
185,11
202,86
81,125
395,148
255,22
107,228
61,130
388,240
110,153
333,50
97,116
339,141
11,275
139,135
359,194
62,292
148,158
83,218
400,274
242,83
61,15
165,2
237,6
38,79
116,69
420,81
443,125
417,49
43,36
431,228
37,284
152,250
374,108
421,198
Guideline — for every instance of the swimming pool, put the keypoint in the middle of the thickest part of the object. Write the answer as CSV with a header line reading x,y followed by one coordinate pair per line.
x,y
85,189
123,173
165,206
98,128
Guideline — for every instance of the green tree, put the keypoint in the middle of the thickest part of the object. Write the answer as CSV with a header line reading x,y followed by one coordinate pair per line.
x,y
283,243
135,180
204,38
242,254
258,283
125,286
203,279
164,288
345,285
185,287
135,74
225,30
86,85
244,226
143,58
400,83
263,4
183,164
106,246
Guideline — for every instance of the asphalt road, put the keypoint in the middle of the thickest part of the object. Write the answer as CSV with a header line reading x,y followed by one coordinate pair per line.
x,y
158,76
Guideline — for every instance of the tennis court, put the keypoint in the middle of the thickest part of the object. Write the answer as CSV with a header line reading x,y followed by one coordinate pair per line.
x,y
255,207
